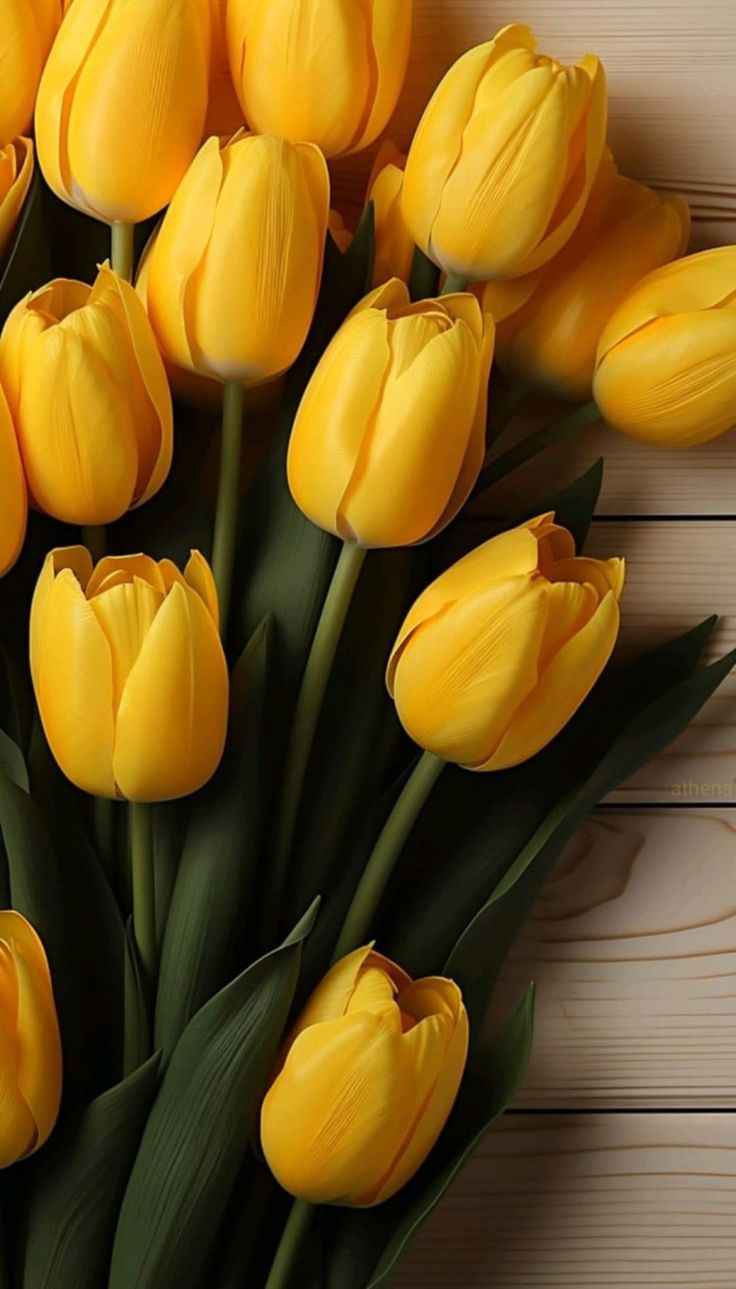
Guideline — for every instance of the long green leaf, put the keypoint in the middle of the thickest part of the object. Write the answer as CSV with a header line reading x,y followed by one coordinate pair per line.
x,y
198,1132
78,1185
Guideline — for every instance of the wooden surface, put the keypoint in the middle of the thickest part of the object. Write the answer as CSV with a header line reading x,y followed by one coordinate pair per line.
x,y
617,1167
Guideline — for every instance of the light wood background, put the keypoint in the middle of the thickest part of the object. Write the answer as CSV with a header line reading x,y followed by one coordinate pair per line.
x,y
617,1166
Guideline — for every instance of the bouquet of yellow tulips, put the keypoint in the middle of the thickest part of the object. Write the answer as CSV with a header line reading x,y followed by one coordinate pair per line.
x,y
290,732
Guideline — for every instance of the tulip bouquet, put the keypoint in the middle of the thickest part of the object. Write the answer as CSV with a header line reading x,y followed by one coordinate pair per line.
x,y
290,732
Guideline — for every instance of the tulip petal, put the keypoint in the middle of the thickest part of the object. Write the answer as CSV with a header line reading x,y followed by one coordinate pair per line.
x,y
11,204
390,42
39,1045
21,60
200,577
13,496
172,716
72,676
462,676
348,1078
562,687
112,569
18,1131
333,995
125,612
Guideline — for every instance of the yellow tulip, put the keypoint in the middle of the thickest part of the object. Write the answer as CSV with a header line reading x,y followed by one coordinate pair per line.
x,y
129,674
500,651
27,30
88,393
390,435
122,103
16,173
666,363
236,266
394,242
504,157
13,493
370,1074
30,1047
326,71
224,113
626,231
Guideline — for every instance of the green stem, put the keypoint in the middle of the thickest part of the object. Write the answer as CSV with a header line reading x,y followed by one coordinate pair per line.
x,y
424,277
309,705
228,496
122,250
144,887
297,1225
358,924
94,538
454,283
547,437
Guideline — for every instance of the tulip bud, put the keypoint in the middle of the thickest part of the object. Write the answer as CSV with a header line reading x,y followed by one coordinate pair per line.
x,y
27,30
122,102
394,242
390,435
30,1047
500,651
13,495
504,157
626,231
237,262
369,1077
88,393
326,71
16,173
129,674
666,365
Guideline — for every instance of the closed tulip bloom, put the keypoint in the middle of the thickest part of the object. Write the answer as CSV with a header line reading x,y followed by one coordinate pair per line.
x,y
30,1047
16,173
666,363
129,674
326,71
500,651
370,1074
122,103
626,231
504,158
27,30
394,242
13,493
236,266
88,393
390,434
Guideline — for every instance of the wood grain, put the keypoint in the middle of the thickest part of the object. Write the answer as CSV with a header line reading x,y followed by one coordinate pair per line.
x,y
586,1202
633,948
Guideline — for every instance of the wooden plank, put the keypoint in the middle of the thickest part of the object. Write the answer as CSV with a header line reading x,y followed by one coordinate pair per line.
x,y
633,948
586,1202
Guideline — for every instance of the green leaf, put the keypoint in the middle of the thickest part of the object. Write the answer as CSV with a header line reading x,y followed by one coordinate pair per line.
x,y
364,1248
424,279
137,1024
198,1132
206,934
574,504
13,763
78,1184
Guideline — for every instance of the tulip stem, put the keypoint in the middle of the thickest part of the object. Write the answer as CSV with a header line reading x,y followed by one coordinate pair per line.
x,y
359,923
454,283
144,885
547,437
297,1225
122,249
228,494
309,705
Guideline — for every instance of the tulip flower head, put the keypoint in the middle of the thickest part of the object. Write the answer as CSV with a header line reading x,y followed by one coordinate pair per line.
x,y
30,1046
394,242
87,390
129,674
496,656
626,231
13,492
237,262
390,435
666,363
323,71
27,30
504,158
122,103
16,173
370,1074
